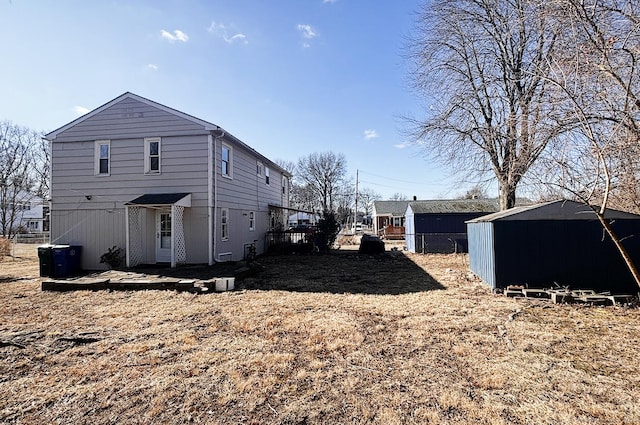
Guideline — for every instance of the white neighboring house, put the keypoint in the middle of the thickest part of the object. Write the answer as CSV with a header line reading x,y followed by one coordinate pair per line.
x,y
27,214
303,219
162,185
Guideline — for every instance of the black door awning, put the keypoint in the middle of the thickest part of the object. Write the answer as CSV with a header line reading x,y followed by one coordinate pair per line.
x,y
160,199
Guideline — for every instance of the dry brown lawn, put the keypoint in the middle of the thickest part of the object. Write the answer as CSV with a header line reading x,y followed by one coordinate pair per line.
x,y
341,338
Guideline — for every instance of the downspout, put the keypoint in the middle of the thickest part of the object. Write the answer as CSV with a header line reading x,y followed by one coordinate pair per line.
x,y
215,191
211,165
126,230
173,236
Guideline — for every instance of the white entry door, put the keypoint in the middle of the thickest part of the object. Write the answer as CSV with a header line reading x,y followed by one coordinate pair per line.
x,y
163,236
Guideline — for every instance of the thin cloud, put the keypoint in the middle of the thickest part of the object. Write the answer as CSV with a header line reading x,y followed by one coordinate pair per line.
x,y
307,31
177,35
401,145
329,1
223,32
80,110
370,134
152,66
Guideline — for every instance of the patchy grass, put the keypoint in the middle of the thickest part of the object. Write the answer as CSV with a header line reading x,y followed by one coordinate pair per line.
x,y
342,338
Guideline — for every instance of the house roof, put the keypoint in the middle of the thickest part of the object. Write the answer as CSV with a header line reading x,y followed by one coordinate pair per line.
x,y
553,210
207,126
159,199
128,95
451,206
394,208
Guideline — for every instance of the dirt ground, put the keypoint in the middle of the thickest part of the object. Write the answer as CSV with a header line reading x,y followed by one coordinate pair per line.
x,y
341,338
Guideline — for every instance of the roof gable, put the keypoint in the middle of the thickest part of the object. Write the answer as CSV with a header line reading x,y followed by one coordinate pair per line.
x,y
554,210
133,116
129,113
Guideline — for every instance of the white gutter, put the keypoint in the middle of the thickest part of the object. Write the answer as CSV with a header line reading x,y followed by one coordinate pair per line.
x,y
126,230
210,173
173,236
215,192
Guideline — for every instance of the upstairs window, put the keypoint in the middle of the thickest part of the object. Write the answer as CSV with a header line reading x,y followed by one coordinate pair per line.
x,y
102,157
259,169
284,185
225,165
266,175
252,220
152,155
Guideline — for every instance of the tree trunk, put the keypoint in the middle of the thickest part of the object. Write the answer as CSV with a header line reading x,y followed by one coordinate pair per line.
x,y
623,251
507,196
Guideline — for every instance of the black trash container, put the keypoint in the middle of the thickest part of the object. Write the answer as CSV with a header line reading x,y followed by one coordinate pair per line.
x,y
45,256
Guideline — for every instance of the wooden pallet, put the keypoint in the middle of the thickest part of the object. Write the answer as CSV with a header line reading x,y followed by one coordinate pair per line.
x,y
559,296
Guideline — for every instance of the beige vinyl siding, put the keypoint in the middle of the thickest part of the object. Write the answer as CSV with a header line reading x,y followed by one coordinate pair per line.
x,y
95,230
99,222
130,118
247,191
184,169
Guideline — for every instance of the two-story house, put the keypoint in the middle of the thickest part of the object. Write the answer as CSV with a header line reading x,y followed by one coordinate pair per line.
x,y
162,185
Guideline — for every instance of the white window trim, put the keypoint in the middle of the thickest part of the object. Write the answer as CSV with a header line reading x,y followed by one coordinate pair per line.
x,y
267,177
259,169
147,155
97,145
252,221
229,175
224,223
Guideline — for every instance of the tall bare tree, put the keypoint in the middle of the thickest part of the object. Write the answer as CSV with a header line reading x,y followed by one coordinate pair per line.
x,y
323,174
596,77
478,65
366,197
16,173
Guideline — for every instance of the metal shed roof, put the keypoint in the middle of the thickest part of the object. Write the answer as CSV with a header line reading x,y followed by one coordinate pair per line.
x,y
444,206
553,210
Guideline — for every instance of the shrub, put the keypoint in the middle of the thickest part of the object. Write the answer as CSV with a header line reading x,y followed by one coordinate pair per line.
x,y
113,257
328,229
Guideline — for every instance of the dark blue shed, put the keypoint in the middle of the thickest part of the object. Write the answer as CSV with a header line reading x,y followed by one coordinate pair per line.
x,y
558,241
439,225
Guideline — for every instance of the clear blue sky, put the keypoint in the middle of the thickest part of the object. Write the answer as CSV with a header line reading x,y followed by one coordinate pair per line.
x,y
288,77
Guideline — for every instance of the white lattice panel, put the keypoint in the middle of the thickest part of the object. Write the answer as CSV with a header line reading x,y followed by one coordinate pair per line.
x,y
136,256
180,246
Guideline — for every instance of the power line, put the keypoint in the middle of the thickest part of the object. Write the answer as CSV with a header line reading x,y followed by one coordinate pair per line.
x,y
436,182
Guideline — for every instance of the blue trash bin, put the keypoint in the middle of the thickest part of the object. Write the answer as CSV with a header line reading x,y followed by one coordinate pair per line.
x,y
66,260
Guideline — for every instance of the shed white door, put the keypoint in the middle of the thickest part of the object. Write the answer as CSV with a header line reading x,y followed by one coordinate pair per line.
x,y
163,236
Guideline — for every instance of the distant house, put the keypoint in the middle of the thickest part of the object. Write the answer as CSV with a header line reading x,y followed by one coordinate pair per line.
x,y
164,186
558,242
302,218
26,213
388,218
438,226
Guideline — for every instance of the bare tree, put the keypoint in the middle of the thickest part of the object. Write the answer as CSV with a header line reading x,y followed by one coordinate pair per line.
x,y
16,168
323,174
290,166
481,66
597,81
398,197
366,197
476,192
